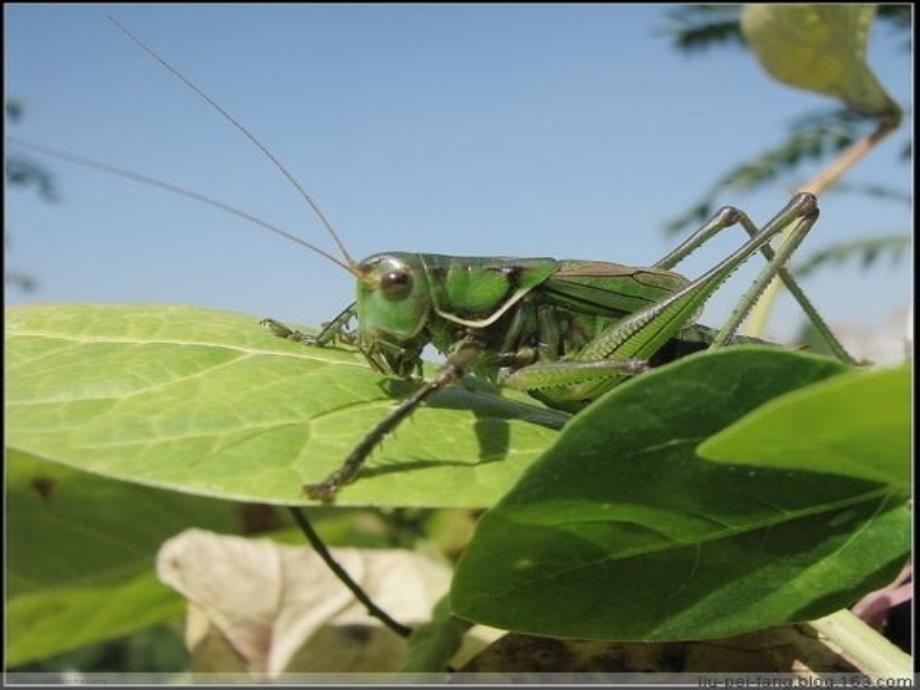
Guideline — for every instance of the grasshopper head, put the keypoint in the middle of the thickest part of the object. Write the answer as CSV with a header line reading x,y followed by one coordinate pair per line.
x,y
393,304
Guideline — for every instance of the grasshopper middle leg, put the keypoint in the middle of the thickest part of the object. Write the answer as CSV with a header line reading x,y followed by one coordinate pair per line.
x,y
461,360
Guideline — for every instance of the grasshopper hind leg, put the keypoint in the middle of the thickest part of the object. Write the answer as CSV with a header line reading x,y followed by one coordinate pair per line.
x,y
730,216
631,341
776,267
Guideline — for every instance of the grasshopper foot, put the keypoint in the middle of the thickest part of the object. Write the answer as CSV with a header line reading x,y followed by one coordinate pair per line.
x,y
282,331
276,327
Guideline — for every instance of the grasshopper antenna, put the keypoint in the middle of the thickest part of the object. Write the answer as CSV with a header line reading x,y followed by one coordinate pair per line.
x,y
175,189
232,120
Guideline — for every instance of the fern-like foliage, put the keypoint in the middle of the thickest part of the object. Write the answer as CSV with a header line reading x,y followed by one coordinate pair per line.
x,y
19,280
876,191
696,28
13,110
20,171
900,18
867,251
812,138
23,172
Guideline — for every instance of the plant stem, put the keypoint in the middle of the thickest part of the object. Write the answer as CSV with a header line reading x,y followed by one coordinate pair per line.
x,y
760,314
866,648
317,543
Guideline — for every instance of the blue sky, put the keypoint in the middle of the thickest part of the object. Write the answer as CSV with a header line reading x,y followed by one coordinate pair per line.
x,y
572,131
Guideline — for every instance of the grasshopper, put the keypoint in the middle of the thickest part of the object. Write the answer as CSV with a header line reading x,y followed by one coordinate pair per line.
x,y
564,331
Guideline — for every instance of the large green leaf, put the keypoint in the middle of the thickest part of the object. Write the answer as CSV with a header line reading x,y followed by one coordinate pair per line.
x,y
819,48
621,532
857,425
80,555
210,403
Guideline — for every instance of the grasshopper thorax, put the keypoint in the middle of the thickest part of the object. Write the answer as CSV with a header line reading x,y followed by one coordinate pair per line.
x,y
393,305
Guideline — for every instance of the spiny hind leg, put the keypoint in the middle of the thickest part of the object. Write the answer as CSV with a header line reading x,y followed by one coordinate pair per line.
x,y
775,266
331,331
729,216
644,332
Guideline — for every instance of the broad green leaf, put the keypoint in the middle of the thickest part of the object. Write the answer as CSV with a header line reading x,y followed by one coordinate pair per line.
x,y
621,532
856,425
211,403
819,48
80,555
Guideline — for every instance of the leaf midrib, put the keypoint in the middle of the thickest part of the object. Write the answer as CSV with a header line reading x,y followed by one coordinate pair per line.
x,y
882,492
186,343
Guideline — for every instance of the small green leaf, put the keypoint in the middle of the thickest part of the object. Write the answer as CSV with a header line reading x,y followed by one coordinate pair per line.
x,y
620,532
210,403
80,555
819,48
856,425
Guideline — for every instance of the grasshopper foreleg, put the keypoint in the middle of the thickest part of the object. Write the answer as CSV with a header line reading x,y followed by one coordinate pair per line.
x,y
331,331
464,356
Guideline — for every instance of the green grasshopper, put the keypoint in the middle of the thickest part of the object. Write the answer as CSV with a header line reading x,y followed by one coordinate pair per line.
x,y
564,331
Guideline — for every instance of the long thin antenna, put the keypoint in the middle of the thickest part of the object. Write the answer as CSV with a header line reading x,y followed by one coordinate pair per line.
x,y
319,214
169,187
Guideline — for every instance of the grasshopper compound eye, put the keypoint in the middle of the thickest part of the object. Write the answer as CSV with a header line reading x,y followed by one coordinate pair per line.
x,y
396,285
